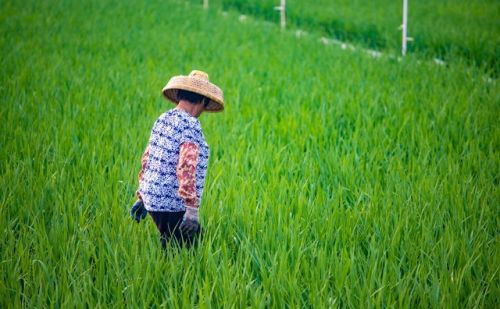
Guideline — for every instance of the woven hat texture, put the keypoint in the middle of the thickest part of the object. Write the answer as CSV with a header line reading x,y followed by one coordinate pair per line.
x,y
198,82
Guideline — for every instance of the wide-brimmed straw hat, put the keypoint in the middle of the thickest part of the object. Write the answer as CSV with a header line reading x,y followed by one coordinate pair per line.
x,y
196,81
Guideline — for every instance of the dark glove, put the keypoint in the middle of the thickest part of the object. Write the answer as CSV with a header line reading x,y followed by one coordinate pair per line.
x,y
190,223
138,211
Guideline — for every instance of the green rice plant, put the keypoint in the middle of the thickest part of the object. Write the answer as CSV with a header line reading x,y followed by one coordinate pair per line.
x,y
335,179
444,29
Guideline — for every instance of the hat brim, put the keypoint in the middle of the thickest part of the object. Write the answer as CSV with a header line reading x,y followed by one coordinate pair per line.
x,y
204,88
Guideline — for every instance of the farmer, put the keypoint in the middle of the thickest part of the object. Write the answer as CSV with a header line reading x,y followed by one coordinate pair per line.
x,y
174,164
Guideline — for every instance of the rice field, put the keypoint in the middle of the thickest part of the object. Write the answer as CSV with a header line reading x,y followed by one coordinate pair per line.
x,y
335,179
445,29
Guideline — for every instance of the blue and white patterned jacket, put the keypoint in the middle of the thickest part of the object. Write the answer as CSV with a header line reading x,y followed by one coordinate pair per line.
x,y
159,186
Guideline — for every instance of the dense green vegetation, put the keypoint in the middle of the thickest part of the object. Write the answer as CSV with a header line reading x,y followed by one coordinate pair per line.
x,y
334,180
446,29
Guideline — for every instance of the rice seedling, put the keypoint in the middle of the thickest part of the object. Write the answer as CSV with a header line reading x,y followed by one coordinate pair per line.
x,y
335,179
443,29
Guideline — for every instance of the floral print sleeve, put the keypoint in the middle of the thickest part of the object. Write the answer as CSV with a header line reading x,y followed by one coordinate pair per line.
x,y
144,161
186,173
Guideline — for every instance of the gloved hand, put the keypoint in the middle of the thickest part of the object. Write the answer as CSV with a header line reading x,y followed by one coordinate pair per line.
x,y
190,222
138,211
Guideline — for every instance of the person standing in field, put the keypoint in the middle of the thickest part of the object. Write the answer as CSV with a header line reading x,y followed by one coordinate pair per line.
x,y
174,164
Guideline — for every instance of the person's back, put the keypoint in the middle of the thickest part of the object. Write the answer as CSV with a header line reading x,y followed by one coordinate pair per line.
x,y
159,185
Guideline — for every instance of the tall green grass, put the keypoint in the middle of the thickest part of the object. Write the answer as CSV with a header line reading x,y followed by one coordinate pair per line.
x,y
445,29
335,180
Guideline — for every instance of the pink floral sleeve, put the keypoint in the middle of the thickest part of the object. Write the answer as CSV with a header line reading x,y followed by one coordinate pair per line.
x,y
186,173
144,161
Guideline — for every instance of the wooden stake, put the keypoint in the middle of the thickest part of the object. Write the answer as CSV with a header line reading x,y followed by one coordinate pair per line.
x,y
205,4
404,27
282,9
283,17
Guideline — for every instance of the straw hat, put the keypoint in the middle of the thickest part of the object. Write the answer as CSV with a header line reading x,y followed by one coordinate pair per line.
x,y
197,82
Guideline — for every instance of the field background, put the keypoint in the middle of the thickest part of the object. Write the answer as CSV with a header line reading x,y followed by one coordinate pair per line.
x,y
446,29
335,179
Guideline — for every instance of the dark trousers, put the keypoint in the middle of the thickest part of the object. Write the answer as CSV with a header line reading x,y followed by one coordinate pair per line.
x,y
168,224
